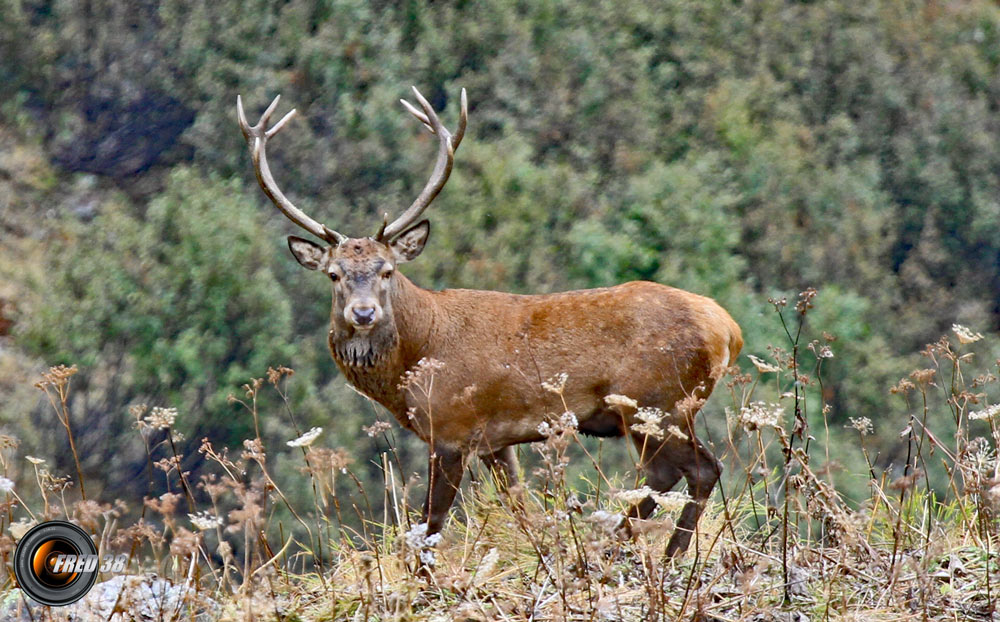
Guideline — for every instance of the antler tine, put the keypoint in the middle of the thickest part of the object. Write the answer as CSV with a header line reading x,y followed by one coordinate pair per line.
x,y
280,124
419,115
463,120
442,167
256,136
385,223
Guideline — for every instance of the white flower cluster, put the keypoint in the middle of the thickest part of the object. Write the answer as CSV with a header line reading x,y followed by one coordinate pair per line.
x,y
981,457
205,521
671,500
161,418
427,557
21,527
757,415
606,521
566,422
306,439
964,334
417,538
985,414
675,430
650,418
632,497
6,485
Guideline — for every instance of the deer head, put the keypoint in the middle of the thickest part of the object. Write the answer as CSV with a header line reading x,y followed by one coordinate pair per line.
x,y
361,269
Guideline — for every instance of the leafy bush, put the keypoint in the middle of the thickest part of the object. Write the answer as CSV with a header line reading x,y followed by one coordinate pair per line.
x,y
175,307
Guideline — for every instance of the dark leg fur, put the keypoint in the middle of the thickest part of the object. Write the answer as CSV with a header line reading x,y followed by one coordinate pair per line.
x,y
661,474
664,463
702,472
503,465
604,423
445,474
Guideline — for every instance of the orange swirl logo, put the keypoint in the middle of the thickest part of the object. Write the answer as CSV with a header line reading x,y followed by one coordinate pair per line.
x,y
56,563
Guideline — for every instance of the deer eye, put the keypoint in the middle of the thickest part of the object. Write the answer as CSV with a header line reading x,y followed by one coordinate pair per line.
x,y
387,274
334,277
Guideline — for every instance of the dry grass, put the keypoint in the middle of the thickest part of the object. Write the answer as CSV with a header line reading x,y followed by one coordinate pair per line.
x,y
780,542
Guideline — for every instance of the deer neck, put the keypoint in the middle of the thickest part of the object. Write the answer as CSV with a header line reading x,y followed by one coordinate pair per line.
x,y
374,361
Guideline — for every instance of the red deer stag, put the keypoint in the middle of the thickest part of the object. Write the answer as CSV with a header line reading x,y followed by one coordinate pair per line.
x,y
492,351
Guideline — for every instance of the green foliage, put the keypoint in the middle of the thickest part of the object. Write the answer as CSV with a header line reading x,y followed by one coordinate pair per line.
x,y
178,306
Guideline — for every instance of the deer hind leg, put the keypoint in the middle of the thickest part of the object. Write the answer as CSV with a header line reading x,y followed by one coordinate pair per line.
x,y
702,471
661,473
504,466
445,476
664,463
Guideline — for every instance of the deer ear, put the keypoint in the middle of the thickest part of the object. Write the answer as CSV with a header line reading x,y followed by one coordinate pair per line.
x,y
410,243
309,254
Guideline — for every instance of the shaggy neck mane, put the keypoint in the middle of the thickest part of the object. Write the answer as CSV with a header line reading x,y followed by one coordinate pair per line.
x,y
366,349
375,348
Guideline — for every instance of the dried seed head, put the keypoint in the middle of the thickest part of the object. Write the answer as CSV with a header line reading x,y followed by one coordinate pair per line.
x,y
805,300
21,527
377,428
650,418
423,371
57,376
620,400
904,386
185,542
862,424
556,383
274,376
924,377
763,366
675,431
254,450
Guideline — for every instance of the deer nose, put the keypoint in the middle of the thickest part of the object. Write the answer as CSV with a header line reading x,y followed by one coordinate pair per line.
x,y
364,315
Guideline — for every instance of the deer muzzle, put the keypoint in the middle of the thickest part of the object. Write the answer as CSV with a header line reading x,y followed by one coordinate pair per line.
x,y
363,314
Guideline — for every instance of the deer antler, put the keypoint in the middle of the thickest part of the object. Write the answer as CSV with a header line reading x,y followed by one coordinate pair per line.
x,y
442,168
256,136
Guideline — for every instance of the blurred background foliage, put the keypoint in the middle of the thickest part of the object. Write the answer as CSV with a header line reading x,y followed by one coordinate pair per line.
x,y
737,149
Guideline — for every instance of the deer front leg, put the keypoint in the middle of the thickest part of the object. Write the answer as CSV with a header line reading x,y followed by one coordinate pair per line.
x,y
444,478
